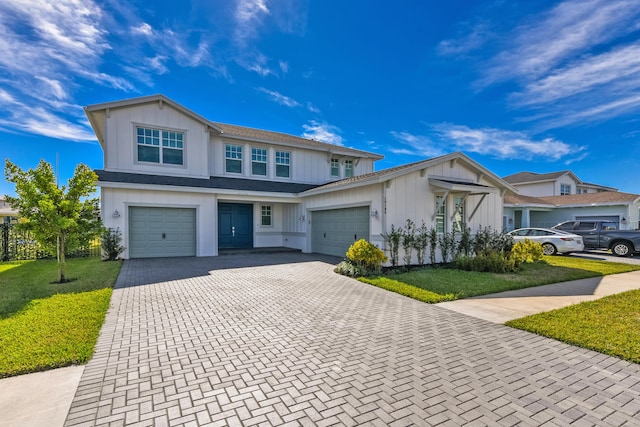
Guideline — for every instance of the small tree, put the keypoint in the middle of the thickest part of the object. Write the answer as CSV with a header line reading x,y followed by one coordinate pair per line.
x,y
60,218
392,241
111,244
408,237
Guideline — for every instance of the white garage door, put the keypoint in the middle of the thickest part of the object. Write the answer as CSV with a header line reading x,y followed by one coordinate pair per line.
x,y
333,231
161,232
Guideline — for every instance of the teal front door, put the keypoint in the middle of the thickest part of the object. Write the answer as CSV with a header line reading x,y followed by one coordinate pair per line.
x,y
235,225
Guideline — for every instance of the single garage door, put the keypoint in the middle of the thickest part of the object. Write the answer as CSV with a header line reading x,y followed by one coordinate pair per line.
x,y
161,232
333,231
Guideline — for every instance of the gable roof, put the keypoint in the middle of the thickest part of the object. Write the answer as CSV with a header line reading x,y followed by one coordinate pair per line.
x,y
529,177
585,199
224,130
388,174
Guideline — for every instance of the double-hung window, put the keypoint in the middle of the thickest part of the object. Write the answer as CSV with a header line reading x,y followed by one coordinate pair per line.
x,y
348,168
259,161
283,164
441,213
160,146
233,158
265,213
335,168
565,189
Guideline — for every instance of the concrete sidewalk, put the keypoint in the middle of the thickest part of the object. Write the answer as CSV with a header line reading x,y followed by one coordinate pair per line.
x,y
40,399
505,306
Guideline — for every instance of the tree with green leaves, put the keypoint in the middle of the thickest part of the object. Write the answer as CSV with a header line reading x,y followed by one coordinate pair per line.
x,y
61,218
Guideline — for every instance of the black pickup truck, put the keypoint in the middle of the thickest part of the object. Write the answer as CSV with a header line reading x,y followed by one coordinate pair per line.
x,y
604,235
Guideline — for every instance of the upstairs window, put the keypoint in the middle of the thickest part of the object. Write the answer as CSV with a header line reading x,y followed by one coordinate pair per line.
x,y
259,161
233,158
160,146
441,214
348,168
335,168
283,164
565,189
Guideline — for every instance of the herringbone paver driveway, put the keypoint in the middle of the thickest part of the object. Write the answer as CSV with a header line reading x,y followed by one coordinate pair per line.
x,y
212,342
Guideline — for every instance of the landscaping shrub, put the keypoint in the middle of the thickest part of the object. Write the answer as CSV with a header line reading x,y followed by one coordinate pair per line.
x,y
111,244
347,268
526,251
366,256
420,242
408,238
490,262
447,243
392,241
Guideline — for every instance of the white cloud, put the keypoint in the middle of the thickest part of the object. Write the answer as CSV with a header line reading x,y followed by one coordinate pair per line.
x,y
503,144
280,98
416,145
249,16
323,132
284,67
471,40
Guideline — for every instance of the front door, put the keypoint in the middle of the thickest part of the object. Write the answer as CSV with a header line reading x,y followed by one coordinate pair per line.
x,y
235,225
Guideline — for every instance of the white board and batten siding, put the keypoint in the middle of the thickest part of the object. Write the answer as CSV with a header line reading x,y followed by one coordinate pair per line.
x,y
120,153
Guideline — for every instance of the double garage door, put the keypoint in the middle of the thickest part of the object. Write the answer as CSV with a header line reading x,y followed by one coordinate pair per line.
x,y
161,232
333,231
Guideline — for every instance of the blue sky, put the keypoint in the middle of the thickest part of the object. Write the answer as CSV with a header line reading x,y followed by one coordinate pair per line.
x,y
527,85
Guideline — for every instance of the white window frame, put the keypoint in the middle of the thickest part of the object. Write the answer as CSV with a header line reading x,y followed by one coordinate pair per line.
x,y
162,139
440,217
232,153
337,168
348,168
565,189
259,158
266,211
283,158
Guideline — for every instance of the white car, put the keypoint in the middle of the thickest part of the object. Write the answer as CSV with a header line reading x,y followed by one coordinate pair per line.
x,y
552,241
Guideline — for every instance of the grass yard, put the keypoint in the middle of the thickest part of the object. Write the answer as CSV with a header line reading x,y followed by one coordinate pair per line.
x,y
433,285
610,325
45,325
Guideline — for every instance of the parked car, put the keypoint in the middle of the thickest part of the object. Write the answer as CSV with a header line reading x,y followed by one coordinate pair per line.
x,y
604,235
552,241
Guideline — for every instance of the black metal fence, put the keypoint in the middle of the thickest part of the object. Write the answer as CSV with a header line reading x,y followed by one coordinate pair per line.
x,y
20,245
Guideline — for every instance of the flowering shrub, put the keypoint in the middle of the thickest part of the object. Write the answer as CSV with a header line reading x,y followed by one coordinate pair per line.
x,y
366,256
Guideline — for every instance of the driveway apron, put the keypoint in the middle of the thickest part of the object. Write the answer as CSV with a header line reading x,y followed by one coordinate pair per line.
x,y
281,339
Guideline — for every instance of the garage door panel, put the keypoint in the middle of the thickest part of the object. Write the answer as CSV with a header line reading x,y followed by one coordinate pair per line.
x,y
333,231
161,232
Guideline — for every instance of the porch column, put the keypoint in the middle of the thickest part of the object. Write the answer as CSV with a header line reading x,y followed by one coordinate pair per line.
x,y
526,221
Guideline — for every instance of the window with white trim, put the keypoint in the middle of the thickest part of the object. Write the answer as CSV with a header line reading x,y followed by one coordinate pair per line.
x,y
335,168
233,158
348,168
160,146
565,189
283,164
441,213
458,219
265,215
259,161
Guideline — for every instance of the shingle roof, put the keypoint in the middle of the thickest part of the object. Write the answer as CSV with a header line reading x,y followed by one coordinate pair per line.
x,y
270,136
588,198
239,184
608,197
522,177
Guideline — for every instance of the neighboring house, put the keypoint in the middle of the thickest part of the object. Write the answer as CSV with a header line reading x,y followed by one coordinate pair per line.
x,y
7,213
177,184
544,200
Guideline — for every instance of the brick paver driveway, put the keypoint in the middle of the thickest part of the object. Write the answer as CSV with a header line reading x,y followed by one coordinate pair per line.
x,y
211,341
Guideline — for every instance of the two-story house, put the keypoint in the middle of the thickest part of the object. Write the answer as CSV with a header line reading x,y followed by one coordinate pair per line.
x,y
177,184
7,213
544,200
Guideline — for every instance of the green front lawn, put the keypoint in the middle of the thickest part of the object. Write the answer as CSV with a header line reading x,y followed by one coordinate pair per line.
x,y
45,325
610,325
444,284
